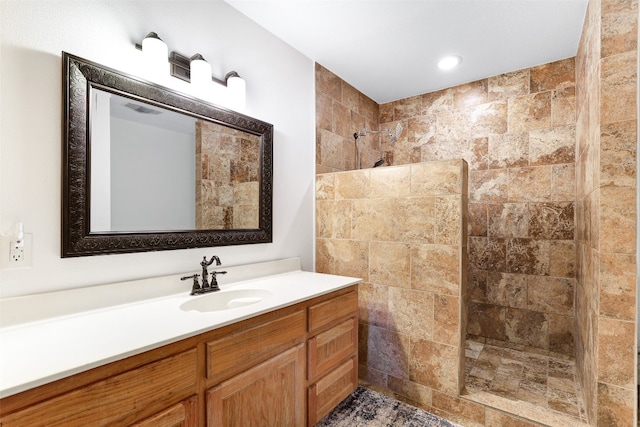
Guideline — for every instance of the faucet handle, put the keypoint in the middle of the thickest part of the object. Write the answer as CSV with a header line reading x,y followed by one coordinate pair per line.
x,y
195,289
214,281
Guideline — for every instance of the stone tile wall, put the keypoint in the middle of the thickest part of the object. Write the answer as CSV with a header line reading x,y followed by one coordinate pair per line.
x,y
606,99
227,177
341,110
403,230
517,133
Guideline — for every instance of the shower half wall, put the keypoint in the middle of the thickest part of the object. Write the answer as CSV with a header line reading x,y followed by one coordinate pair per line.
x,y
403,230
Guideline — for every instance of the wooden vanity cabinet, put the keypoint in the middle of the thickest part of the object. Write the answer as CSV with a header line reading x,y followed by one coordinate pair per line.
x,y
332,349
288,367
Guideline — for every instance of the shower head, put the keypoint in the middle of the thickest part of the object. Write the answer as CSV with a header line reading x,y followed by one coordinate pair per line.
x,y
395,135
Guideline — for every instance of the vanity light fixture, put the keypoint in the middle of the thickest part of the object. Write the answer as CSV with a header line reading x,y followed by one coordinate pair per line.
x,y
195,70
449,62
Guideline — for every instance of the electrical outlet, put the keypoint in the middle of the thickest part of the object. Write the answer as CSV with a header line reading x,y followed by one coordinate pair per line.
x,y
16,253
15,256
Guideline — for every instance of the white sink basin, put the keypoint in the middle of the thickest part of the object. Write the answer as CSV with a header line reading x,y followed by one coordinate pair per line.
x,y
226,300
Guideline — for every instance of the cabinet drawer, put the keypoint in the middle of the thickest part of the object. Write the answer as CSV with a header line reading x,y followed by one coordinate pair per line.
x,y
330,390
323,314
242,350
119,400
184,414
329,347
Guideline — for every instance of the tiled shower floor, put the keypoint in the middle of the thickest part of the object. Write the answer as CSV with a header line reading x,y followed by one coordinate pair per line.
x,y
535,386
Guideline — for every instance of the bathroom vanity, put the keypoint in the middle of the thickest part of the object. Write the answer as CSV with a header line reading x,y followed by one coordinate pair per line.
x,y
284,360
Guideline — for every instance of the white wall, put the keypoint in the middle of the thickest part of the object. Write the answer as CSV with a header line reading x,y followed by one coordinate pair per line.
x,y
280,90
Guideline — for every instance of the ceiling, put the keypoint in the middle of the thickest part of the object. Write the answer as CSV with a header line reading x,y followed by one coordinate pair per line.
x,y
389,49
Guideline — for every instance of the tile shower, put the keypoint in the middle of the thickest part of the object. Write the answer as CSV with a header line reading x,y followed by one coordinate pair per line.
x,y
551,159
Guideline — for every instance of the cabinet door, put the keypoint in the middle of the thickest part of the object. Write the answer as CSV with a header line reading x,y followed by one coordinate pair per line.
x,y
325,394
184,414
270,394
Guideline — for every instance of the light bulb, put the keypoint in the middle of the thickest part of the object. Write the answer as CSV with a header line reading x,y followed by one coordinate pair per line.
x,y
200,71
449,62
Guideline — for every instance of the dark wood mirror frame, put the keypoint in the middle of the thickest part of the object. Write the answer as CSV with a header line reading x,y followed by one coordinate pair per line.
x,y
79,75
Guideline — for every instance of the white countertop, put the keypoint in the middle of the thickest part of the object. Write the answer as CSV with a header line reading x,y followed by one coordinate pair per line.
x,y
37,350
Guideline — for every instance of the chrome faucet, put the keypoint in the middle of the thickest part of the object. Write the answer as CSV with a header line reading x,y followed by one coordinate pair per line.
x,y
196,289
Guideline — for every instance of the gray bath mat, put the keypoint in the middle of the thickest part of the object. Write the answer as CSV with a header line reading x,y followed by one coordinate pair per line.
x,y
367,408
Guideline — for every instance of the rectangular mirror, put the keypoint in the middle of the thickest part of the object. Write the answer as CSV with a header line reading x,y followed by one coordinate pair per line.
x,y
148,168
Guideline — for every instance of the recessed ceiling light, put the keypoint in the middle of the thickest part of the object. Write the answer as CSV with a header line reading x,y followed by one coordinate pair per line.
x,y
449,62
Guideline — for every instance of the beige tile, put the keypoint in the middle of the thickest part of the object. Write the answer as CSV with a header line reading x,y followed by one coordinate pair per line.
x,y
618,88
434,102
486,119
487,253
324,112
618,286
390,182
454,405
386,112
373,304
507,290
563,182
388,352
328,83
508,150
333,219
508,220
477,219
436,268
532,184
552,146
469,94
616,353
446,319
435,178
410,389
496,418
615,406
562,258
434,365
420,130
412,219
374,219
343,257
509,85
555,75
325,186
389,263
618,153
526,327
408,107
477,285
617,219
487,320
448,220
619,31
529,112
563,106
350,97
341,120
561,331
352,185
489,186
411,312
